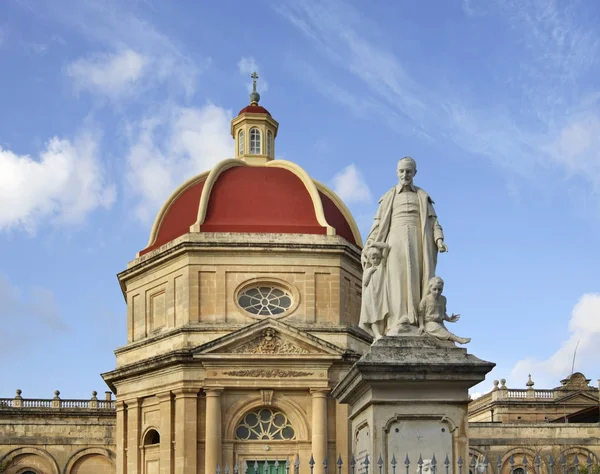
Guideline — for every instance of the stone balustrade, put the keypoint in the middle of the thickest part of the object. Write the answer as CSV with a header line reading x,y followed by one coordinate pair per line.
x,y
93,403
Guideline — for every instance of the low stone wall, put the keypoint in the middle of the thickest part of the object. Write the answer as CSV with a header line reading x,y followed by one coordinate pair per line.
x,y
74,439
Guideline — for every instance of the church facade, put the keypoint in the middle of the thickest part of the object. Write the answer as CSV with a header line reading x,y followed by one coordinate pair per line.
x,y
242,316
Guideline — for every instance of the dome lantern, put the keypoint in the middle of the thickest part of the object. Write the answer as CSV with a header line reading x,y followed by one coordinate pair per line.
x,y
254,131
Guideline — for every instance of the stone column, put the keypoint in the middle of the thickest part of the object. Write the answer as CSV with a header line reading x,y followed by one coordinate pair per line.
x,y
212,455
133,436
166,432
319,427
121,438
186,432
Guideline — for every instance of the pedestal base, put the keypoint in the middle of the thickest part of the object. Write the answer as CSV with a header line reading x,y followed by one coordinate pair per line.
x,y
408,395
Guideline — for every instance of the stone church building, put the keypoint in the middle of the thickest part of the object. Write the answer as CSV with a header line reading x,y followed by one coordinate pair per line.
x,y
242,314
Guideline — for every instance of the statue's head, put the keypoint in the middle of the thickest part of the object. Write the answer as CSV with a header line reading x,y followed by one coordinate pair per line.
x,y
426,467
436,286
407,169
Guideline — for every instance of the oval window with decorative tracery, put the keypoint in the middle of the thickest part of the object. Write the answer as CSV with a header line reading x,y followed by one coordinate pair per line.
x,y
265,300
265,424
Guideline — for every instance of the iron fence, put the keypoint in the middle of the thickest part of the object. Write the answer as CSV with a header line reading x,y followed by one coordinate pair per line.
x,y
475,465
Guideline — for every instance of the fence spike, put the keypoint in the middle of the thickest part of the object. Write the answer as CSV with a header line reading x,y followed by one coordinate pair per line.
x,y
447,463
297,464
551,465
311,462
325,465
218,470
589,463
236,468
473,462
339,461
287,466
406,460
226,468
460,464
276,465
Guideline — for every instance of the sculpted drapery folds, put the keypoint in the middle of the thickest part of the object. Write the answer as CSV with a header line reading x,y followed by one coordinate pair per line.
x,y
407,226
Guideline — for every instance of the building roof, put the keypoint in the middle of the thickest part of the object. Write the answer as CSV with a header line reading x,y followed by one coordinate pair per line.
x,y
254,109
278,197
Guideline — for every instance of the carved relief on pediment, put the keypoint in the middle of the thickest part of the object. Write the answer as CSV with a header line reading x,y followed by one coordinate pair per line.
x,y
269,342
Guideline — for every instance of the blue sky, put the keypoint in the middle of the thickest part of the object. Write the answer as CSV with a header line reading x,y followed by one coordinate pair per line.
x,y
107,106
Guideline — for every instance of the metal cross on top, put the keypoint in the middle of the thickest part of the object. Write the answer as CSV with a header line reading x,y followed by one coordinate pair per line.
x,y
254,77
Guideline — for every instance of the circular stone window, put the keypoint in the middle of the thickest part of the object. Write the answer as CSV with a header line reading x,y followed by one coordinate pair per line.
x,y
265,300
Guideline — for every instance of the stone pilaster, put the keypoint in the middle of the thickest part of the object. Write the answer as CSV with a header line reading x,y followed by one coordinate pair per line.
x,y
166,432
186,434
133,436
121,438
319,426
213,430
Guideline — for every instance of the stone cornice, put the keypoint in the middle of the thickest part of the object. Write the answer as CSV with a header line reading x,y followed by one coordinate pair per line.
x,y
231,242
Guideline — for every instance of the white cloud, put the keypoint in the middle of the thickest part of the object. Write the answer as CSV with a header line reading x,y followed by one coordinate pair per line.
x,y
109,74
584,334
64,184
115,25
249,65
350,185
171,147
577,146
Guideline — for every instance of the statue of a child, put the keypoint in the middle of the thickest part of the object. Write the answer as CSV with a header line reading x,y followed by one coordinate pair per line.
x,y
372,317
432,314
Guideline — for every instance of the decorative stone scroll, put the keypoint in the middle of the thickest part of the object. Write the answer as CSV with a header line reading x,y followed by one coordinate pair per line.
x,y
267,373
269,343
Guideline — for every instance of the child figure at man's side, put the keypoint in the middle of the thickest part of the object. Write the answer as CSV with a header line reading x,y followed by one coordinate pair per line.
x,y
372,317
432,314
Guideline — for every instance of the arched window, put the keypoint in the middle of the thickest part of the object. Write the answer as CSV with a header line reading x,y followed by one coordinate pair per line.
x,y
265,424
152,437
270,143
240,143
254,141
518,470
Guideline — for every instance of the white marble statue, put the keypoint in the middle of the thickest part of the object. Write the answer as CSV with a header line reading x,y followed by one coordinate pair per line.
x,y
406,221
432,314
372,317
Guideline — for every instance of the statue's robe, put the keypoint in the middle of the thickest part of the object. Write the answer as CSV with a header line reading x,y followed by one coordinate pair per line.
x,y
411,260
372,296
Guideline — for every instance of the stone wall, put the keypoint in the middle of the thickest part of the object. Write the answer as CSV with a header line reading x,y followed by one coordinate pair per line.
x,y
46,438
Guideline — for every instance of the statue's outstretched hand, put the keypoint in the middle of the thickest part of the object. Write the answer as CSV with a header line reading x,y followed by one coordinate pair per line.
x,y
442,247
454,318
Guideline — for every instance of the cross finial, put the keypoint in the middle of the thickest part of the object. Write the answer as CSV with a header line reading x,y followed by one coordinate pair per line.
x,y
254,95
254,77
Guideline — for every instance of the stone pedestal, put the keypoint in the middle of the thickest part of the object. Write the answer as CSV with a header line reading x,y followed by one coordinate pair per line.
x,y
409,395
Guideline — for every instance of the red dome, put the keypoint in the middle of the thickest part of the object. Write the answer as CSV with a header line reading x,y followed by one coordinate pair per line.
x,y
255,199
254,109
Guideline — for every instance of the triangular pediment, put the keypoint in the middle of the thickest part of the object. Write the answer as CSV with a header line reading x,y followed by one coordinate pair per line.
x,y
269,338
577,398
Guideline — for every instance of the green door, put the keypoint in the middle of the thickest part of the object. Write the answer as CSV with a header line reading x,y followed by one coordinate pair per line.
x,y
266,467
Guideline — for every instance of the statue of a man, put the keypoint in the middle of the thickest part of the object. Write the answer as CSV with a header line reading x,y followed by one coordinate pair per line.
x,y
407,223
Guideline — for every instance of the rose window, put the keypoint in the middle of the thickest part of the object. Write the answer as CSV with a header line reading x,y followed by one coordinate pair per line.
x,y
265,424
265,300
